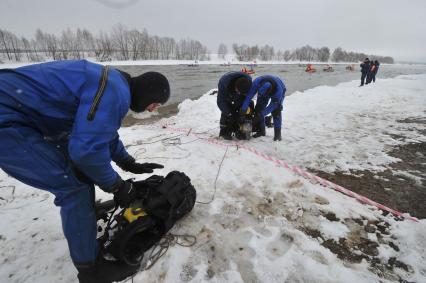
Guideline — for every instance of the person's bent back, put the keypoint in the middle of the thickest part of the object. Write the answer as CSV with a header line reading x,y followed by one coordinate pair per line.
x,y
232,89
270,97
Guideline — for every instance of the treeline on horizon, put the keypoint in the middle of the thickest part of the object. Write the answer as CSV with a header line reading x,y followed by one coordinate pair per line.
x,y
122,43
305,53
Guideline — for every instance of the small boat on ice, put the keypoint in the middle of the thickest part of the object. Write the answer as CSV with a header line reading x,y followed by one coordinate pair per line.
x,y
328,68
195,64
310,69
248,71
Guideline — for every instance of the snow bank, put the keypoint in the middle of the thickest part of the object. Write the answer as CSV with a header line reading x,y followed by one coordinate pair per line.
x,y
264,223
349,127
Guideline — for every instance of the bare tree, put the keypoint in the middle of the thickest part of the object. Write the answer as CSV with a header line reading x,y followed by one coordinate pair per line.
x,y
52,46
4,43
27,49
167,47
135,40
252,52
338,55
67,44
120,39
103,47
243,51
222,51
323,54
287,55
16,47
267,53
48,43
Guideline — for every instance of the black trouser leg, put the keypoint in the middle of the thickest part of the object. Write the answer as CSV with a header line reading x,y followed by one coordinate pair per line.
x,y
276,114
225,126
363,78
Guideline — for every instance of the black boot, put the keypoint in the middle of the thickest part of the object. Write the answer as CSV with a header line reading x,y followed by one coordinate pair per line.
x,y
261,132
104,271
225,133
277,134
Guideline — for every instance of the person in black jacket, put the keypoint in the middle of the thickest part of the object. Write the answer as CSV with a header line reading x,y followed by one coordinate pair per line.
x,y
374,72
370,73
232,90
365,69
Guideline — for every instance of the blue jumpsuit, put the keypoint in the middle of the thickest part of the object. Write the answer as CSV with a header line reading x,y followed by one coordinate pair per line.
x,y
45,134
275,98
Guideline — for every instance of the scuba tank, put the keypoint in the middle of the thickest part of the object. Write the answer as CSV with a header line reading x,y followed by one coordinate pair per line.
x,y
246,125
245,130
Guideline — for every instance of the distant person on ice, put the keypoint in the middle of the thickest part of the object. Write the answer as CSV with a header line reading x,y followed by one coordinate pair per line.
x,y
270,97
371,77
232,90
365,69
377,64
58,132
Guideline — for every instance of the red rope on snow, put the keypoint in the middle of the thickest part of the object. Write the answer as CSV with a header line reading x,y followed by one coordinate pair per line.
x,y
299,172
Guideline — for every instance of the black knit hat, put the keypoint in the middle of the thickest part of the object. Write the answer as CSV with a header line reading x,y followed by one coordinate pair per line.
x,y
150,87
242,84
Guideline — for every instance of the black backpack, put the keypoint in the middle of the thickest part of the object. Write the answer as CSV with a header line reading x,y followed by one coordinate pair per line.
x,y
164,200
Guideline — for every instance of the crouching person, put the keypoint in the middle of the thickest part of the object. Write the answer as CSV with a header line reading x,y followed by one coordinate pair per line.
x,y
232,90
58,132
270,97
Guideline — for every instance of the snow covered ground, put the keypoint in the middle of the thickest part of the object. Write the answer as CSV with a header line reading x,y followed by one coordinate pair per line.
x,y
264,223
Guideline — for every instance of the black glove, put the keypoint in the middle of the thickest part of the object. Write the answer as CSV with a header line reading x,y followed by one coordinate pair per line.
x,y
130,165
124,193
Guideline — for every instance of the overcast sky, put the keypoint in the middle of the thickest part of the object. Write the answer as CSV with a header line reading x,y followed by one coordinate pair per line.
x,y
383,27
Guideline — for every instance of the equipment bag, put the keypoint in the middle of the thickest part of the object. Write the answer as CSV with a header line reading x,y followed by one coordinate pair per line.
x,y
160,203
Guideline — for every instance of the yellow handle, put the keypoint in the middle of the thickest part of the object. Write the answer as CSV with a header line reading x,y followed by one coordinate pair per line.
x,y
131,214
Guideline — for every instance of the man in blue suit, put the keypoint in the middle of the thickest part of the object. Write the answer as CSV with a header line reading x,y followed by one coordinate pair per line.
x,y
232,90
58,132
270,89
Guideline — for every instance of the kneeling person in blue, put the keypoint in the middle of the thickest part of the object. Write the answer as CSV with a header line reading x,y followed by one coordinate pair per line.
x,y
270,89
58,132
232,90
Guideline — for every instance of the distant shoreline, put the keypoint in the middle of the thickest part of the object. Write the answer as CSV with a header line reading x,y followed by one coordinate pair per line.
x,y
188,62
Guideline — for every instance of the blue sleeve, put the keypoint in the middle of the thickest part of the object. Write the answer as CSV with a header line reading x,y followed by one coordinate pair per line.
x,y
271,107
252,92
118,152
90,141
276,100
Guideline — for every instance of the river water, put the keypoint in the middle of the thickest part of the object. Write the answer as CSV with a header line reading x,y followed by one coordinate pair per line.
x,y
191,82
